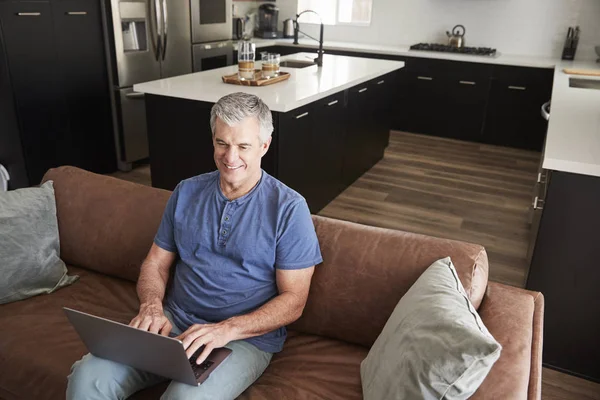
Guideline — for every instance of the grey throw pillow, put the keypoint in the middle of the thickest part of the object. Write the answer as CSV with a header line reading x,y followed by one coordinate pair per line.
x,y
29,244
433,346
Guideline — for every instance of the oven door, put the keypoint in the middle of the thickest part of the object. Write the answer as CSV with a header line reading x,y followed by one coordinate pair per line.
x,y
212,55
211,20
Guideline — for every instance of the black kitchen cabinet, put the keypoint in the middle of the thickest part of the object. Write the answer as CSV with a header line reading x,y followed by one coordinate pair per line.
x,y
309,150
11,154
464,110
297,166
419,112
84,81
382,94
513,117
28,32
328,142
564,268
358,149
55,58
443,98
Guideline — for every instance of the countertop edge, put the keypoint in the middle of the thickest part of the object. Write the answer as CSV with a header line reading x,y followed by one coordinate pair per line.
x,y
573,167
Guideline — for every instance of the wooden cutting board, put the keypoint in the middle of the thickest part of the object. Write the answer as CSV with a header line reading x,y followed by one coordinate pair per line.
x,y
258,79
588,72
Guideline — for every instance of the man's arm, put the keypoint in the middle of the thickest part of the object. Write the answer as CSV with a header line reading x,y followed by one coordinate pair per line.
x,y
151,286
287,307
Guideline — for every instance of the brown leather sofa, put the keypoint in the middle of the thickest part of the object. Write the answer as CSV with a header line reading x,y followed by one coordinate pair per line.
x,y
107,226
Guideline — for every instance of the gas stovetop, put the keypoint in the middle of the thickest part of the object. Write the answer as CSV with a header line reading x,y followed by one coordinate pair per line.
x,y
476,51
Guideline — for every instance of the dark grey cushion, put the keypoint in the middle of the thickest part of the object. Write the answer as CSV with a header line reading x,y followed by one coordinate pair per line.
x,y
29,244
433,346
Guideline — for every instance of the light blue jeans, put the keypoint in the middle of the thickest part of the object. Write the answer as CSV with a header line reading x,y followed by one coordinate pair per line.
x,y
94,378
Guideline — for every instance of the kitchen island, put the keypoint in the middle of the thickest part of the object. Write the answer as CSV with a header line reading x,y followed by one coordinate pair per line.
x,y
331,124
565,225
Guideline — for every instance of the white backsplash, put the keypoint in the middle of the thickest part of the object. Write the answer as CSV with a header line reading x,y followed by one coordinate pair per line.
x,y
520,27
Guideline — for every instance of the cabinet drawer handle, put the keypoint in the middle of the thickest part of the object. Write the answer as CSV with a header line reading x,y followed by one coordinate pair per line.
x,y
539,179
76,12
29,14
425,78
332,102
517,87
535,203
302,115
466,82
362,90
380,82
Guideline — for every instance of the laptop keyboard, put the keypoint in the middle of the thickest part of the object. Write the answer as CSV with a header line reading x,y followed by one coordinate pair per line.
x,y
199,369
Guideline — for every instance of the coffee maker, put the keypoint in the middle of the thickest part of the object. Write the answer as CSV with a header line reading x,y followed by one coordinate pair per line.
x,y
267,22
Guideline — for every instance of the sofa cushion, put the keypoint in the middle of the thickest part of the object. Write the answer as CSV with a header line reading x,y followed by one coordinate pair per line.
x,y
365,272
309,368
29,244
38,345
433,346
105,224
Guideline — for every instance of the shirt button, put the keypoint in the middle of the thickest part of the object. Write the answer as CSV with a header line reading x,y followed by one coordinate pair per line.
x,y
224,232
226,218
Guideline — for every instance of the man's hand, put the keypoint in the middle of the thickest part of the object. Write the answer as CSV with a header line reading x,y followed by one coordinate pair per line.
x,y
212,336
152,318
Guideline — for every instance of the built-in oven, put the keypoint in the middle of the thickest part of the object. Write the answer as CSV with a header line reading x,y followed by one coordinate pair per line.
x,y
211,20
212,55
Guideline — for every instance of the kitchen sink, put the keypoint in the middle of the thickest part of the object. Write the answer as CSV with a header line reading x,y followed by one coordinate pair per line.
x,y
295,64
584,83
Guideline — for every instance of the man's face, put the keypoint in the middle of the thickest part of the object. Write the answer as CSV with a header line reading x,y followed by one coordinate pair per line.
x,y
238,150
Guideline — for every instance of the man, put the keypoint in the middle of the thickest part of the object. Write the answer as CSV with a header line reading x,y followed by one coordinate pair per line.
x,y
244,249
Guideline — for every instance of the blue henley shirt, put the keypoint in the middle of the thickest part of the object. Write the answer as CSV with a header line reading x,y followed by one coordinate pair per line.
x,y
228,251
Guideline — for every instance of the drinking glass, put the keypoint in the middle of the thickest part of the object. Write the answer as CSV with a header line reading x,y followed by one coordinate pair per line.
x,y
246,53
270,65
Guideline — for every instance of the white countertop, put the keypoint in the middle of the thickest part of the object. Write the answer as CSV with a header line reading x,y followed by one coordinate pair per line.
x,y
500,59
573,139
304,86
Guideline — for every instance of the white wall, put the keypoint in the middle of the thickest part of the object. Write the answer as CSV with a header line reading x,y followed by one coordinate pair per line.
x,y
526,27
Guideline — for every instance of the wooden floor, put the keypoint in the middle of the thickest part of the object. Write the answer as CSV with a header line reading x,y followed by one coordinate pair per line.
x,y
457,190
451,189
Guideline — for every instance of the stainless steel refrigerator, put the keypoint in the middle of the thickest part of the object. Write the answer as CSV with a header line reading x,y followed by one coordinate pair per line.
x,y
146,40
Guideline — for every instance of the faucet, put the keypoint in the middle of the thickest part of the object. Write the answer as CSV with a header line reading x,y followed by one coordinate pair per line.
x,y
319,59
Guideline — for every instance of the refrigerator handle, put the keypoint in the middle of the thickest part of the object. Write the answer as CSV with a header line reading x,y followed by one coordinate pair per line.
x,y
165,27
157,16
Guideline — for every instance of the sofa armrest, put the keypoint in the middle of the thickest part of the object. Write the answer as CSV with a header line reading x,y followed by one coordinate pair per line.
x,y
535,378
515,318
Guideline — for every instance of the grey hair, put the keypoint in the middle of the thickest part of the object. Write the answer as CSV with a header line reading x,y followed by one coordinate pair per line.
x,y
235,107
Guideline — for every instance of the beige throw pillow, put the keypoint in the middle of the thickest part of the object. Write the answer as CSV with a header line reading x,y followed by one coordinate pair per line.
x,y
433,346
29,244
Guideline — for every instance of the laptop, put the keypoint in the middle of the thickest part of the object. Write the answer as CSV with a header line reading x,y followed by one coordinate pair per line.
x,y
151,352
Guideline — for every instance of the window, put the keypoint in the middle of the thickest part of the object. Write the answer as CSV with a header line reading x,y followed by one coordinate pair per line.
x,y
337,12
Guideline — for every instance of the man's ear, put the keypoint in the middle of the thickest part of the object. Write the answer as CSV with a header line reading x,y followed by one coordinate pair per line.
x,y
266,145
